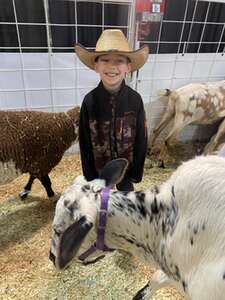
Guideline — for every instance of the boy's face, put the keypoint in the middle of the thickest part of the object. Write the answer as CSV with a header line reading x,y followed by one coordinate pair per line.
x,y
112,69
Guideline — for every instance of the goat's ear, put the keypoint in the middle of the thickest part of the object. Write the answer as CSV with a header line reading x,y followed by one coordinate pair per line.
x,y
114,171
71,241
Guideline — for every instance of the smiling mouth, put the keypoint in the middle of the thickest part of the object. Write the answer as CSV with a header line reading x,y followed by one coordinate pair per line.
x,y
111,75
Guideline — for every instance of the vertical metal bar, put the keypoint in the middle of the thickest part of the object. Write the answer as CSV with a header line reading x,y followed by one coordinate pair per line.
x,y
49,43
178,50
203,29
48,29
217,50
103,15
131,23
75,21
192,22
155,58
21,54
154,68
75,55
183,25
202,34
221,36
131,36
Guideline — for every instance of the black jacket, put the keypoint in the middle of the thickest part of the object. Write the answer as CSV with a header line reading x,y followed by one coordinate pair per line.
x,y
112,126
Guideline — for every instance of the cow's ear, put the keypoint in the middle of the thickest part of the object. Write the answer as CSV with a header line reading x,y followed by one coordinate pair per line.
x,y
114,171
71,241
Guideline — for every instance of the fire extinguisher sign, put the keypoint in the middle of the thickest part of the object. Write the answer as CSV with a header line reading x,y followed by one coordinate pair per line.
x,y
156,8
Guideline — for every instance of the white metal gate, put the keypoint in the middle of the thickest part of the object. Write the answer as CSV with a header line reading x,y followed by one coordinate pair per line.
x,y
46,75
39,70
191,57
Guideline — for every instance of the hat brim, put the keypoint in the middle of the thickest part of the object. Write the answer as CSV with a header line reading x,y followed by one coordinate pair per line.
x,y
137,57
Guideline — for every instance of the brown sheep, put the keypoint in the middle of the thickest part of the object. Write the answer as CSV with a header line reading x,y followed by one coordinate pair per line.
x,y
34,142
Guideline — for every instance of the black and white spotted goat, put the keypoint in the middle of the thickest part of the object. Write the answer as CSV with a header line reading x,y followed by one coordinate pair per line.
x,y
178,227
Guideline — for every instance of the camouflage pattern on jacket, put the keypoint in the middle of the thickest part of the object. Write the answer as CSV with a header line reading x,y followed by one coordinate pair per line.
x,y
112,126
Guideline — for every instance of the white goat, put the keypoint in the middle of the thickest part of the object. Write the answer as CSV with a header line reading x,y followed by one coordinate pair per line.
x,y
177,227
195,103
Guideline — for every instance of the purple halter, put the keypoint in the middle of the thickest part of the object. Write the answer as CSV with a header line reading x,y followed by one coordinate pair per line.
x,y
100,242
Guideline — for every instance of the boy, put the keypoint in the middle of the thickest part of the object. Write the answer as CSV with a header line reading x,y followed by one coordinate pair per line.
x,y
112,118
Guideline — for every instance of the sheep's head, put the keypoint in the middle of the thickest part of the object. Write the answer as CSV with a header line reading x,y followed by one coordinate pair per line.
x,y
74,115
76,214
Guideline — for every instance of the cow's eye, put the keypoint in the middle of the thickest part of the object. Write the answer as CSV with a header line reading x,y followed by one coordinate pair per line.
x,y
57,232
85,188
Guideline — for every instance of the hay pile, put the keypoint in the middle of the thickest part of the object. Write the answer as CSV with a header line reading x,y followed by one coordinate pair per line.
x,y
181,151
25,234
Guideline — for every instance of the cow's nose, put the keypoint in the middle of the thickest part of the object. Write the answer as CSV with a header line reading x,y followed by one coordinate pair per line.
x,y
52,257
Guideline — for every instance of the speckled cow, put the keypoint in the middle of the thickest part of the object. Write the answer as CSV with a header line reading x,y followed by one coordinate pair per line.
x,y
195,103
177,227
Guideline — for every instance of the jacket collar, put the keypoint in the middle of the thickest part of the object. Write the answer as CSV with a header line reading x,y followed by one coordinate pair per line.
x,y
104,91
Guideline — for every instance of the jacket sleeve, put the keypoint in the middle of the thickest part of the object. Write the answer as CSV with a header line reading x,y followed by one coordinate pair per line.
x,y
140,146
87,157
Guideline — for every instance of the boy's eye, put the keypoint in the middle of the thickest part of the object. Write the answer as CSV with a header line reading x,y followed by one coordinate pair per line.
x,y
114,62
120,61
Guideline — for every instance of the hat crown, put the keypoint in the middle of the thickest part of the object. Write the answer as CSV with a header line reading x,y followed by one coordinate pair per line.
x,y
112,40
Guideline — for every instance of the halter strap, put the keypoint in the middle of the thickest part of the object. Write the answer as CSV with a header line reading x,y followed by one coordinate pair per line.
x,y
100,242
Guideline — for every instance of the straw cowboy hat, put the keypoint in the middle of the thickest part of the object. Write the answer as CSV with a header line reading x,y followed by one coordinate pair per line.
x,y
112,41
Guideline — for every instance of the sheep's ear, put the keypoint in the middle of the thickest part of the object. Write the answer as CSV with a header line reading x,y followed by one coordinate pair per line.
x,y
71,241
114,171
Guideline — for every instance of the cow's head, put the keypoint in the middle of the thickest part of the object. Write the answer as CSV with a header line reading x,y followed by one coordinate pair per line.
x,y
76,214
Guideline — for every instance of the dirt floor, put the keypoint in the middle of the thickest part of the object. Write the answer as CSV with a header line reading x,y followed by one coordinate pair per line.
x,y
25,234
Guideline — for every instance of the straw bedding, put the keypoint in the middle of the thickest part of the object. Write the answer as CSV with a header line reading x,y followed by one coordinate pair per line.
x,y
25,234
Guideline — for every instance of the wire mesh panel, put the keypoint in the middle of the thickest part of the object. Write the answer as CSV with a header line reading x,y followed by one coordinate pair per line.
x,y
39,70
38,67
186,43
